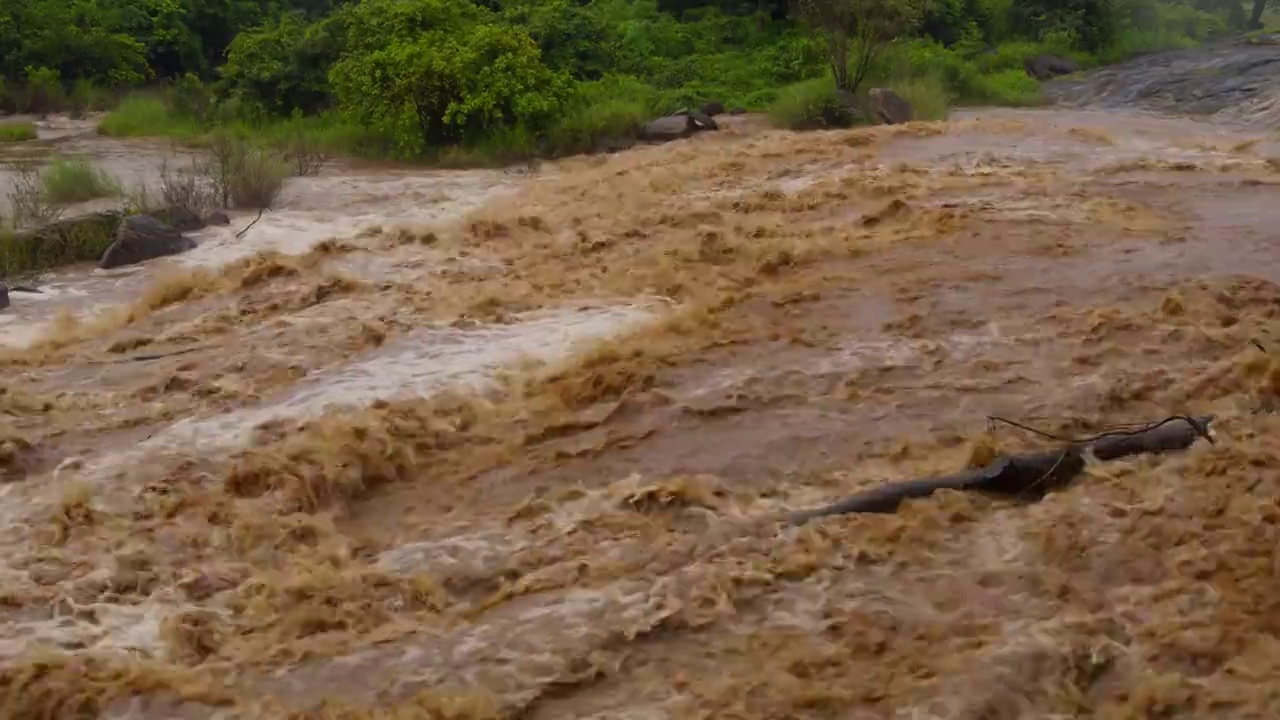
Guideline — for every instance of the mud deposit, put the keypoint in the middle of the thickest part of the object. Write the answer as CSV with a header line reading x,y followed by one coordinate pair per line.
x,y
523,458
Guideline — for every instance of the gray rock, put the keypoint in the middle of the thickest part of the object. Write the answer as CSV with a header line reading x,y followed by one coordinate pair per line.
x,y
701,120
4,296
1046,66
671,127
178,217
713,109
738,111
1235,82
217,217
612,144
143,238
888,107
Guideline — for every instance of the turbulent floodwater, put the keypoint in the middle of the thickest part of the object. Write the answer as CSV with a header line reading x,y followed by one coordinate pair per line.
x,y
473,445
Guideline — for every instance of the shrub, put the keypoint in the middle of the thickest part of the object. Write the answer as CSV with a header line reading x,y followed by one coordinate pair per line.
x,y
430,73
11,132
26,197
189,98
614,108
73,180
87,97
810,105
193,189
144,115
927,94
244,175
44,93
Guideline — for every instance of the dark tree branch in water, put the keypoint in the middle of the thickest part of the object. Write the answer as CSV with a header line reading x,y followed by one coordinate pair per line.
x,y
1027,476
250,225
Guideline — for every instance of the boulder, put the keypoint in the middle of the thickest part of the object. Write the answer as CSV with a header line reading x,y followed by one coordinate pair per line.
x,y
888,107
846,111
713,109
217,217
671,127
738,111
178,217
4,296
701,120
611,144
143,238
1046,66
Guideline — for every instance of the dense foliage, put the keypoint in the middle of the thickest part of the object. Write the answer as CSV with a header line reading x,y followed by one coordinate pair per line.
x,y
417,75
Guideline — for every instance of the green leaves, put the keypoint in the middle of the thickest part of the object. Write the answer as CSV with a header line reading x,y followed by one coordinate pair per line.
x,y
441,72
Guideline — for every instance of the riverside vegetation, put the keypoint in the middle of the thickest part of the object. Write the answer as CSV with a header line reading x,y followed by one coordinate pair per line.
x,y
466,81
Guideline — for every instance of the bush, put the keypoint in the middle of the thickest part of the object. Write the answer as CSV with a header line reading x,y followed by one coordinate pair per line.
x,y
810,105
73,180
245,175
193,189
432,72
928,95
145,115
614,108
87,97
11,132
26,197
44,93
187,97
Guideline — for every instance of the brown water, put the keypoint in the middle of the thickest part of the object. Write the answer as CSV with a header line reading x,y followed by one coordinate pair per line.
x,y
566,409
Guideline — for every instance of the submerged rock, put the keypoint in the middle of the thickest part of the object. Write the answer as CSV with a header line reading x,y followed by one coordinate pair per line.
x,y
682,123
1046,66
889,107
217,217
178,217
143,238
672,127
701,120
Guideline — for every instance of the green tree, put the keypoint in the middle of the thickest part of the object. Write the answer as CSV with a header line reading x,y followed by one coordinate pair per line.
x,y
161,26
435,72
75,38
281,66
570,35
856,32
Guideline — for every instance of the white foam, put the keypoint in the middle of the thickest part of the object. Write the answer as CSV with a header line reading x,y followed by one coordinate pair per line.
x,y
419,365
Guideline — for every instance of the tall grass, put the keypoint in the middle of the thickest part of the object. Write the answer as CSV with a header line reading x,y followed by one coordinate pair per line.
x,y
928,96
83,239
810,105
11,132
74,180
147,115
245,175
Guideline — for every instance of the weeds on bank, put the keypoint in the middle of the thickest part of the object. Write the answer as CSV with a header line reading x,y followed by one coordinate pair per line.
x,y
11,132
27,199
74,180
244,175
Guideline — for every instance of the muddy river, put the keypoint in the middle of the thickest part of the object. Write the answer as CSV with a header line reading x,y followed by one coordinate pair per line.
x,y
499,445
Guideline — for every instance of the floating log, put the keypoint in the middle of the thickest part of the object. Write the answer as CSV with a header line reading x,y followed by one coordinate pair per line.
x,y
1029,476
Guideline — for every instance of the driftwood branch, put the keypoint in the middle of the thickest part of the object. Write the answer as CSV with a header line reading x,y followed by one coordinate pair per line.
x,y
151,356
248,227
1027,476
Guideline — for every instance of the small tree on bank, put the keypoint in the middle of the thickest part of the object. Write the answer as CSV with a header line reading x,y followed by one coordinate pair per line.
x,y
857,32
